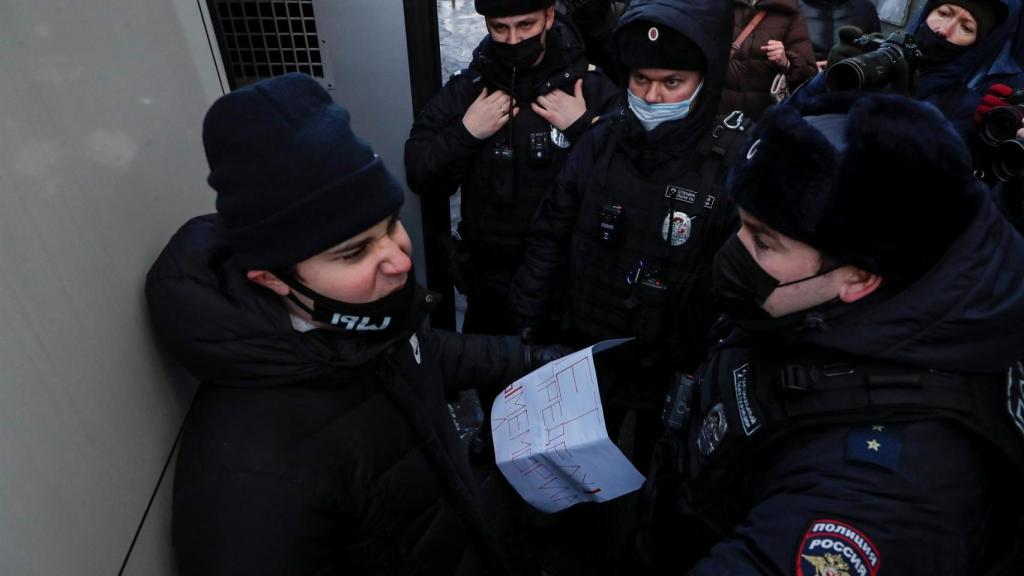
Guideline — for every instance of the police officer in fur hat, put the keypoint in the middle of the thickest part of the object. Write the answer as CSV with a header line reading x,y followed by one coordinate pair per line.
x,y
862,412
319,441
500,131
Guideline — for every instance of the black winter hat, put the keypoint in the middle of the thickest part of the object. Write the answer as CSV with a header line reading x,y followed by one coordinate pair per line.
x,y
881,182
292,179
499,8
643,44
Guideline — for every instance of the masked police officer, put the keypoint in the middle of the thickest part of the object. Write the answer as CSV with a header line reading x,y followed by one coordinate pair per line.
x,y
637,214
854,419
501,130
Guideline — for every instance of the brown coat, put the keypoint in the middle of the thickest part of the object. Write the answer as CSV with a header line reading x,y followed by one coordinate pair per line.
x,y
750,72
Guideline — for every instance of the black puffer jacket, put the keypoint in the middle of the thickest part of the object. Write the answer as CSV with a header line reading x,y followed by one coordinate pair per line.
x,y
314,452
825,18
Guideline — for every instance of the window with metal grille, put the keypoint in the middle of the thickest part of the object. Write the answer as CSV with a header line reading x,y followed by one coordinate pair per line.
x,y
265,38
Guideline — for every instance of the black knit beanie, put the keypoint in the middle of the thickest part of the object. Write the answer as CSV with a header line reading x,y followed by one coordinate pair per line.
x,y
987,13
881,182
649,45
292,179
499,8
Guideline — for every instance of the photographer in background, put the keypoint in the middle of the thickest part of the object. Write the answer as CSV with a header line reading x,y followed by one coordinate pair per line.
x,y
958,41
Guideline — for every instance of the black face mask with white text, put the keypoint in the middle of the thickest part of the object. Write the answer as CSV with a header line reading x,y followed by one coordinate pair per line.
x,y
394,312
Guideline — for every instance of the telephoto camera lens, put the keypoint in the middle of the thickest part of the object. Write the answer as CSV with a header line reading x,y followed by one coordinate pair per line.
x,y
1008,163
1001,124
873,69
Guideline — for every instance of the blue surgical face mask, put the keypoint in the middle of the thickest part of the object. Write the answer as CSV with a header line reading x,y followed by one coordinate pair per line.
x,y
652,115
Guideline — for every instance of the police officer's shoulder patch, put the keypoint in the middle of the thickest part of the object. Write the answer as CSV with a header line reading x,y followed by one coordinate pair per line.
x,y
835,548
878,444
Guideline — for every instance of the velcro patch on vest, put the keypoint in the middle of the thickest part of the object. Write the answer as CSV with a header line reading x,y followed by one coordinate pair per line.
x,y
835,548
879,445
680,194
748,417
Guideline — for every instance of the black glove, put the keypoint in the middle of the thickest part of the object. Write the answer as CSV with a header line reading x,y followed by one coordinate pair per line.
x,y
845,48
536,355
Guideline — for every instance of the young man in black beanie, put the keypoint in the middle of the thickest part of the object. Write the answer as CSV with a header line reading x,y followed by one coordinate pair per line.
x,y
862,413
319,441
500,131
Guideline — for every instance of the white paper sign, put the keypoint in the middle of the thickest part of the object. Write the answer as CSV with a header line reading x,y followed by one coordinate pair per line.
x,y
550,438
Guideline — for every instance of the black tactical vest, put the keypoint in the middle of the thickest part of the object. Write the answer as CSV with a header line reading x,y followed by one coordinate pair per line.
x,y
640,241
745,401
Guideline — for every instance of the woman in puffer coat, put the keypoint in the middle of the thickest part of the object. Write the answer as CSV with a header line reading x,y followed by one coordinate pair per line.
x,y
778,45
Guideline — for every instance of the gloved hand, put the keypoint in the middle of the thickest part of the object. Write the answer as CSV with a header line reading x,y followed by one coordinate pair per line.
x,y
845,48
536,355
994,98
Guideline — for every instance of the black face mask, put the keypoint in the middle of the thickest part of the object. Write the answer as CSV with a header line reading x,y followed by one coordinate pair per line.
x,y
521,55
742,283
936,49
396,311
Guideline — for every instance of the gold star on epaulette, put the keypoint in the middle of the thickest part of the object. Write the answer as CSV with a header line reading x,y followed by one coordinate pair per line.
x,y
874,445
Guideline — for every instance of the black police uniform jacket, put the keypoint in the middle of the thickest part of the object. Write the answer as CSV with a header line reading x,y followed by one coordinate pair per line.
x,y
900,477
651,273
500,194
314,453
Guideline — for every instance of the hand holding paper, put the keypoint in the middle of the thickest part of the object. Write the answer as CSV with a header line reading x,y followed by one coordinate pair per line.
x,y
550,439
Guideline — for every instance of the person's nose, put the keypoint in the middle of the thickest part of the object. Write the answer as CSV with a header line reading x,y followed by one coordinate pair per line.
x,y
653,94
396,260
514,37
945,30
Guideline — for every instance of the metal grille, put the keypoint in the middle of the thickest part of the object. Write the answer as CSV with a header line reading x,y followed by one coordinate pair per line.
x,y
265,38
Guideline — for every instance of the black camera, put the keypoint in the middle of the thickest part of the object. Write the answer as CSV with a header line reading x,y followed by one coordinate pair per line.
x,y
874,69
1008,160
998,130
